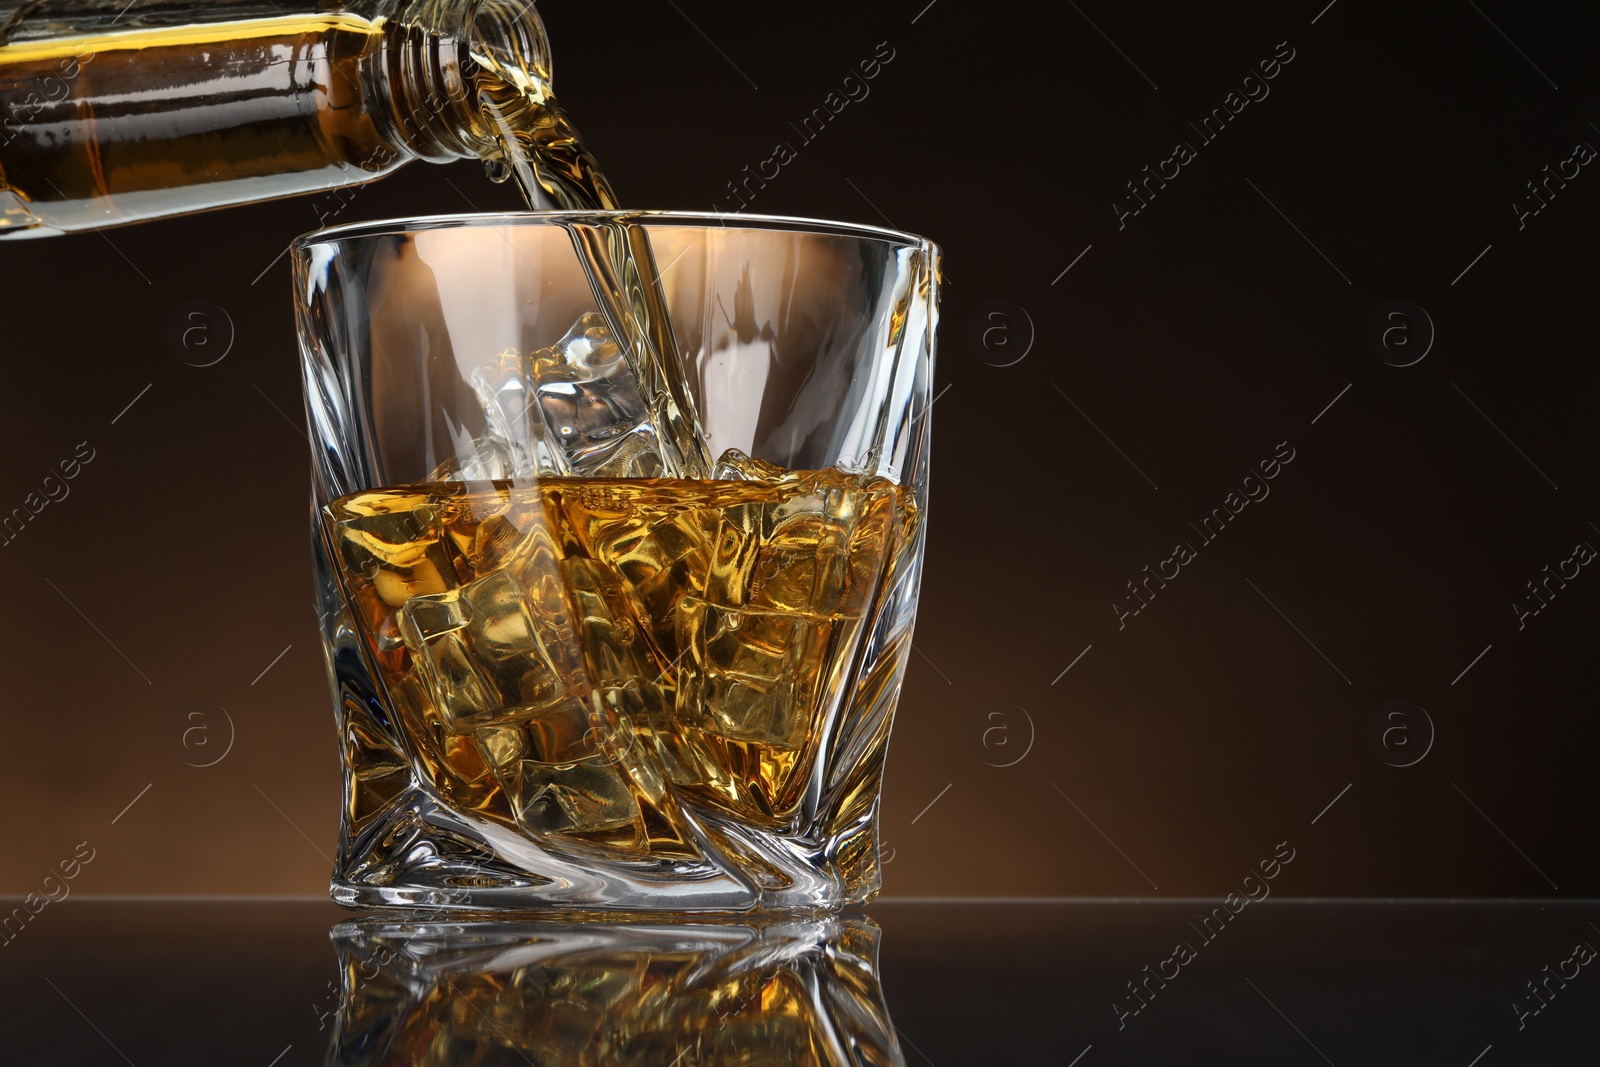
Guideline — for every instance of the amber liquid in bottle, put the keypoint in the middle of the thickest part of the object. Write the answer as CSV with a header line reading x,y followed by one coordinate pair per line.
x,y
113,128
121,125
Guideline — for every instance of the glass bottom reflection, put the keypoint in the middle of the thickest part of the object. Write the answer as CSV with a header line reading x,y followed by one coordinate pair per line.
x,y
474,994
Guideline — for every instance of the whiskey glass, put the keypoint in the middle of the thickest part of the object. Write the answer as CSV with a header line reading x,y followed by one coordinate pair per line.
x,y
617,524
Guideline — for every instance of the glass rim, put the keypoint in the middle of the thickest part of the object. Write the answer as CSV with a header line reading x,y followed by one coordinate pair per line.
x,y
397,226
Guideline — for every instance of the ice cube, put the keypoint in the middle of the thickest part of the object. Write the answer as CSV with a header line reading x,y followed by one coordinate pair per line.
x,y
586,799
747,706
620,264
502,706
390,546
453,763
502,744
735,465
572,409
558,780
612,654
484,459
557,733
756,673
817,548
653,543
480,654
395,543
516,437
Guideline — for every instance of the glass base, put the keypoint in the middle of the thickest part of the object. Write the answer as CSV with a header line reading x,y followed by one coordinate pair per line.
x,y
680,900
428,857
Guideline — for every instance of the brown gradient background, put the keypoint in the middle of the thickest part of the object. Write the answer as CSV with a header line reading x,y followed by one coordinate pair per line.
x,y
1196,339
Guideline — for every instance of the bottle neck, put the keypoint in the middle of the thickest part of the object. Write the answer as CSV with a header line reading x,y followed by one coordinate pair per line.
x,y
425,84
418,82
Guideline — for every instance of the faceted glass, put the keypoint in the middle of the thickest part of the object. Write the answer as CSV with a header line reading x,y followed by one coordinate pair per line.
x,y
618,524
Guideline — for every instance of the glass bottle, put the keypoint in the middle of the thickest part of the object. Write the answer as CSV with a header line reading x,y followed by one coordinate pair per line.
x,y
113,112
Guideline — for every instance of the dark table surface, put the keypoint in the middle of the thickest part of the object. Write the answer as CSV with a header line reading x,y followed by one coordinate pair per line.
x,y
1284,981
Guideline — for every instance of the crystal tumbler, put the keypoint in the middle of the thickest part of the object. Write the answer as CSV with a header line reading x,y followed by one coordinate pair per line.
x,y
618,522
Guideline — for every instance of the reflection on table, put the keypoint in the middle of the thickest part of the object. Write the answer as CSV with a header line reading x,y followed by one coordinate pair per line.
x,y
466,994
